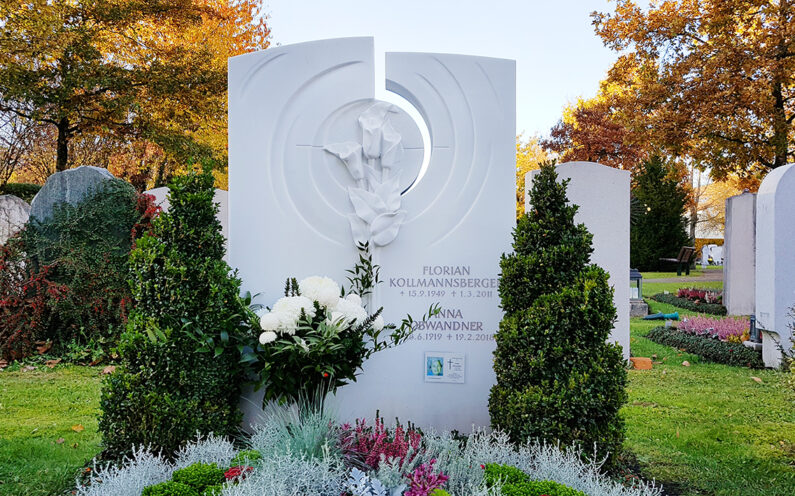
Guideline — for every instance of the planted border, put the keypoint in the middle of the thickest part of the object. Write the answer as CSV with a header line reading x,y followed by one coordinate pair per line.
x,y
710,308
708,348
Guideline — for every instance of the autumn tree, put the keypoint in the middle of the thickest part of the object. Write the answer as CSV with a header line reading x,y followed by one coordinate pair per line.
x,y
125,69
713,79
590,130
529,157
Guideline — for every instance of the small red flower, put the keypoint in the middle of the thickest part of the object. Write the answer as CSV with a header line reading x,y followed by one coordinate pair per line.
x,y
482,466
237,472
325,374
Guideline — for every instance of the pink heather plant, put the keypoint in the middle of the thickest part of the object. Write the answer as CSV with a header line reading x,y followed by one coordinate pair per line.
x,y
424,480
700,295
723,329
374,443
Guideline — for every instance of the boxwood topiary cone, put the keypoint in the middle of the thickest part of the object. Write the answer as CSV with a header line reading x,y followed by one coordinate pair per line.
x,y
558,379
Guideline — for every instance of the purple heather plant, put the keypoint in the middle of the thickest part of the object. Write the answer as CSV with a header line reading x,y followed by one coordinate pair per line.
x,y
423,480
725,329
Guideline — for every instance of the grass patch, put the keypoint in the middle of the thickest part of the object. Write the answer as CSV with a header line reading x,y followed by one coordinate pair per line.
x,y
709,427
38,408
693,273
650,288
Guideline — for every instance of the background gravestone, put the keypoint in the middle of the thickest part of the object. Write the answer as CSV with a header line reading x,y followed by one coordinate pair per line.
x,y
69,186
603,196
302,125
775,261
221,197
739,266
14,213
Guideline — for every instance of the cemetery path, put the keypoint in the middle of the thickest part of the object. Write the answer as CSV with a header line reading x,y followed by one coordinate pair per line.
x,y
706,276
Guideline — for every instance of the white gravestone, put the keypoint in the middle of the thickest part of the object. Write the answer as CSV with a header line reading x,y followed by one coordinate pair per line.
x,y
739,267
14,213
775,261
603,196
221,197
316,163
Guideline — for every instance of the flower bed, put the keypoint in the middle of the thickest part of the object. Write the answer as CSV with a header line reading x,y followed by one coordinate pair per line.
x,y
698,295
707,347
687,304
729,329
297,451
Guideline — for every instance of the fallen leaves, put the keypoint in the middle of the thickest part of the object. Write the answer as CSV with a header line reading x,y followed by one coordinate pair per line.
x,y
52,363
60,440
3,364
109,370
757,379
78,428
28,368
43,346
685,364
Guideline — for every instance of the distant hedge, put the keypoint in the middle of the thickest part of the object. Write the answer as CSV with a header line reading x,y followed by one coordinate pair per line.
x,y
710,308
710,349
26,191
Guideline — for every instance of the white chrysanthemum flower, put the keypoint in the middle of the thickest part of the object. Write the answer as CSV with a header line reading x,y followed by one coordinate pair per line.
x,y
267,337
347,312
288,310
378,323
270,321
320,289
354,298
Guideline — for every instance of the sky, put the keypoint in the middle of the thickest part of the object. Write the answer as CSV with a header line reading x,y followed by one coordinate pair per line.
x,y
558,56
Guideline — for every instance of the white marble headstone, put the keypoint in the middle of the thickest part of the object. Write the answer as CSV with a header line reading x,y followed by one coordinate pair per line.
x,y
14,214
775,261
304,127
603,196
739,267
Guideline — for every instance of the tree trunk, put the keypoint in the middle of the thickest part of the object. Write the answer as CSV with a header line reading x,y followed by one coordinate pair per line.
x,y
62,148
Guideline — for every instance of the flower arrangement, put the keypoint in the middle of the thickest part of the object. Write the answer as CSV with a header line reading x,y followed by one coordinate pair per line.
x,y
373,445
316,337
729,329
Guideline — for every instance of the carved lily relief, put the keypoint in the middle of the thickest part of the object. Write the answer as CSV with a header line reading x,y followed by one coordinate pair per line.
x,y
373,165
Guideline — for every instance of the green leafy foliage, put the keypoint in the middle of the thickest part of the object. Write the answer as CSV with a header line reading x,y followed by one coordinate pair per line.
x,y
166,390
215,490
713,350
246,458
169,488
516,483
710,308
199,476
439,492
659,230
558,379
64,278
26,191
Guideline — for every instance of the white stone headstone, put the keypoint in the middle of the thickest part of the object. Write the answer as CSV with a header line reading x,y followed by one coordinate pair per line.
x,y
14,213
221,197
775,261
739,267
304,127
603,196
704,256
70,186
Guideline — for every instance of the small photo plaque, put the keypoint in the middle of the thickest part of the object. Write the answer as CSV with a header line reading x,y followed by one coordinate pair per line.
x,y
442,366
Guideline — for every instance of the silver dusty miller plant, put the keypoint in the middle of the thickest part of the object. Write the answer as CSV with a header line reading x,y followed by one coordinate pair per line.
x,y
373,165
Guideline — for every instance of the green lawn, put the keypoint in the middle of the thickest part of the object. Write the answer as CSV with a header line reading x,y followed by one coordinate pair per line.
x,y
697,271
709,428
40,452
652,288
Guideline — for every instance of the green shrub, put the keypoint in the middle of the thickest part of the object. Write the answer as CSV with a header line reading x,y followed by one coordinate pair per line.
x,y
246,458
494,473
165,390
199,476
517,483
713,350
658,230
169,488
26,191
64,279
557,377
215,490
710,308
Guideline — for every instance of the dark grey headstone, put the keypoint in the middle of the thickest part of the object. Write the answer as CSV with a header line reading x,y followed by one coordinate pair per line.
x,y
14,213
69,186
